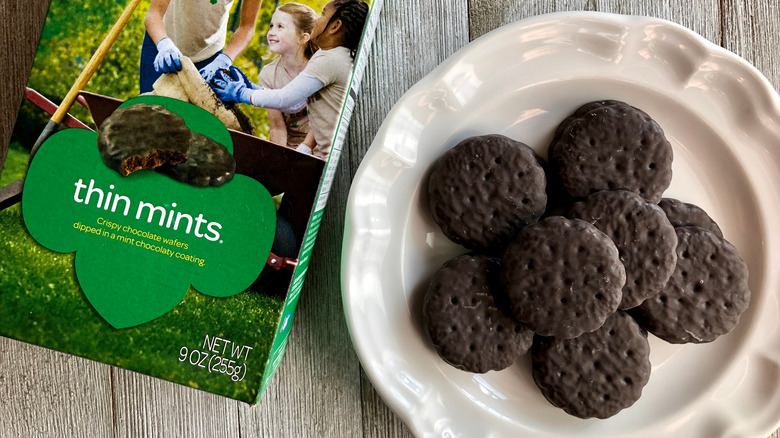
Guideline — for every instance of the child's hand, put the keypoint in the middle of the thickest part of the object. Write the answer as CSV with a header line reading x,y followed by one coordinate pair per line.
x,y
239,74
230,88
222,61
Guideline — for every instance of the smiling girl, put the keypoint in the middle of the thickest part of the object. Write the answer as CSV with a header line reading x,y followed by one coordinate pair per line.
x,y
289,36
323,83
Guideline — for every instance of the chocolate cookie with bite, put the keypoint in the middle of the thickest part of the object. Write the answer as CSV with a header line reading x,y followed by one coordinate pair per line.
x,y
209,164
142,136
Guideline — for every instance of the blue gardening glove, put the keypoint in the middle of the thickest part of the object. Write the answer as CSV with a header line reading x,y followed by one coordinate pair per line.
x,y
237,73
168,57
230,88
222,61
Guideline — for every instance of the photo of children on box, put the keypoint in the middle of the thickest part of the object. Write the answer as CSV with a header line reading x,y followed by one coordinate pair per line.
x,y
162,220
306,85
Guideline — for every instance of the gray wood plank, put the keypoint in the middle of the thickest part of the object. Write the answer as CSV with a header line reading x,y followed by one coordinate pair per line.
x,y
316,391
755,35
17,49
705,20
149,407
486,15
44,393
50,394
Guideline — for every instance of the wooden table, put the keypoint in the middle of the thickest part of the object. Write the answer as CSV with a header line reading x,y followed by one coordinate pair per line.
x,y
320,389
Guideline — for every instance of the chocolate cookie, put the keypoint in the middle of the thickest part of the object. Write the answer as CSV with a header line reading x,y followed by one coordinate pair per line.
x,y
467,328
143,136
614,146
482,191
563,277
597,374
209,163
645,240
682,214
706,294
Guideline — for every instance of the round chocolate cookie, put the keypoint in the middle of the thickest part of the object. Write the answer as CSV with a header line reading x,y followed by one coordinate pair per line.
x,y
613,146
482,191
209,163
642,234
682,214
558,200
706,294
597,374
467,328
143,136
563,277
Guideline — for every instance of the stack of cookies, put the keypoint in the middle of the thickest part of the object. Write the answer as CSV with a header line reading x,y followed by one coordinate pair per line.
x,y
576,260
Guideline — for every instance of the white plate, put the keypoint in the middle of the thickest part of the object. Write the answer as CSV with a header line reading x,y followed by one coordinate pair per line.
x,y
723,120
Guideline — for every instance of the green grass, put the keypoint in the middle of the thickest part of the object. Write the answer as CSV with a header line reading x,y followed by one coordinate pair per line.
x,y
41,303
15,164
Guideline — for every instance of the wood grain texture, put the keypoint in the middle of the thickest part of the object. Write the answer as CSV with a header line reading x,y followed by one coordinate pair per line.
x,y
752,30
144,406
49,394
319,379
320,390
44,393
18,49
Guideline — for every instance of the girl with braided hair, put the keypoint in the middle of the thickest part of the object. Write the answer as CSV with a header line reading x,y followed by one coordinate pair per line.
x,y
322,85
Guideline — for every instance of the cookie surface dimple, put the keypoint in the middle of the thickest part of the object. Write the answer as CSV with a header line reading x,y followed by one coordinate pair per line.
x,y
466,326
645,240
482,191
706,294
597,374
142,136
614,146
683,214
563,277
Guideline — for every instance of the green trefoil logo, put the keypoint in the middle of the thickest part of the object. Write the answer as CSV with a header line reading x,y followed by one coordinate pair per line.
x,y
141,241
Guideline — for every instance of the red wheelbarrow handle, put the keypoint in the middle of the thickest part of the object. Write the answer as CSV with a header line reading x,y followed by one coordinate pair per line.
x,y
50,107
279,263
